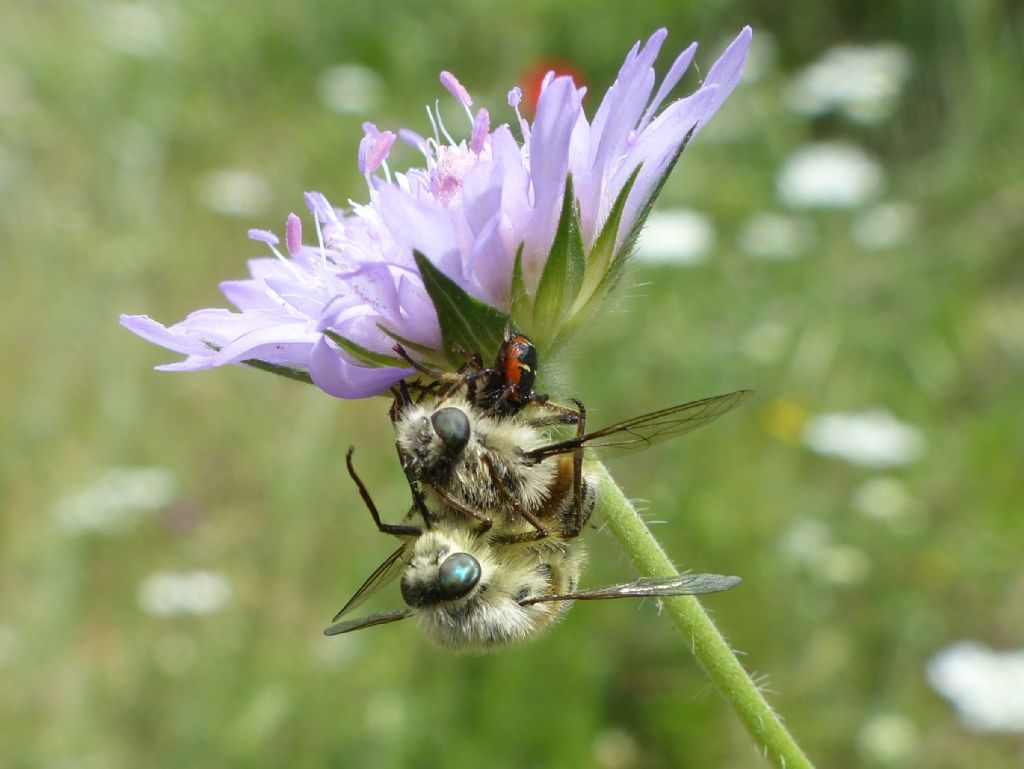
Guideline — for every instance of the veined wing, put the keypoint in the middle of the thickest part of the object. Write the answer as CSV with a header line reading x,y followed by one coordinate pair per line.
x,y
382,575
643,431
380,618
681,584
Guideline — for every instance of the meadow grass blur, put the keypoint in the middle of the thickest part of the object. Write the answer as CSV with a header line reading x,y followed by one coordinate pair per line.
x,y
118,122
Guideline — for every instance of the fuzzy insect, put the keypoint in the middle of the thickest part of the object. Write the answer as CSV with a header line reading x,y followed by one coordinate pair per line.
x,y
508,468
491,553
473,591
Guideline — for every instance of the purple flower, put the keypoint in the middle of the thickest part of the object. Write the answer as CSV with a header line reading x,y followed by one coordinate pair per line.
x,y
441,257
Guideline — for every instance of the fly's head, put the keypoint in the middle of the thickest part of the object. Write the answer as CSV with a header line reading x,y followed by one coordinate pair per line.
x,y
433,441
445,568
465,594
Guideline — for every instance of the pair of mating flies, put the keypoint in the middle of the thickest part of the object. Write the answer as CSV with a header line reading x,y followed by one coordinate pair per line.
x,y
490,551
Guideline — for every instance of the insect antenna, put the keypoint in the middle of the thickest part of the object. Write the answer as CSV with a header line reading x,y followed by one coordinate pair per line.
x,y
417,496
396,529
485,521
404,355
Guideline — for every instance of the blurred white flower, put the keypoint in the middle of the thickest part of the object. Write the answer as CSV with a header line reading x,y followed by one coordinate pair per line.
x,y
132,29
885,225
167,593
809,543
844,565
776,236
887,739
116,500
233,192
986,687
870,438
350,89
765,342
862,82
615,748
679,236
807,539
829,175
887,500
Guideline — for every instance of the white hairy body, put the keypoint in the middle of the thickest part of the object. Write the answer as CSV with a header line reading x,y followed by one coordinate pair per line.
x,y
490,474
491,615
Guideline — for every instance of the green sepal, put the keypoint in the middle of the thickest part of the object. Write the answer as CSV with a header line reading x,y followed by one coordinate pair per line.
x,y
577,266
467,324
615,269
361,354
286,371
603,253
519,304
564,269
422,349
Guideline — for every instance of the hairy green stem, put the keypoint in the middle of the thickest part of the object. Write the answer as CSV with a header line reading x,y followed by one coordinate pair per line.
x,y
707,643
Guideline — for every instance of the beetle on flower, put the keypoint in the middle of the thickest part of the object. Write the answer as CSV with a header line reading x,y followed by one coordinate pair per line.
x,y
535,230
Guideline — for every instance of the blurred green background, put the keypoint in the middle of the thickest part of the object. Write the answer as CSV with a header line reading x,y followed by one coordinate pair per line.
x,y
173,545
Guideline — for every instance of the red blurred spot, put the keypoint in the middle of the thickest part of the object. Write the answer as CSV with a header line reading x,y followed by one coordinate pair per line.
x,y
534,76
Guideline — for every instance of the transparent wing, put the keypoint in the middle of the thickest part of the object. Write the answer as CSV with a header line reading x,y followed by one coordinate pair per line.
x,y
681,584
380,618
382,575
643,431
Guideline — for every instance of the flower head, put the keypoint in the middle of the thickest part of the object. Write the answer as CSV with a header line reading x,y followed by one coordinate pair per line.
x,y
493,229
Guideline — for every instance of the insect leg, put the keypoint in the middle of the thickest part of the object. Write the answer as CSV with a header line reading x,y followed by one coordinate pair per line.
x,y
541,530
526,536
404,355
501,400
402,393
473,359
577,471
417,496
563,415
384,528
465,380
402,400
471,389
425,391
462,507
478,371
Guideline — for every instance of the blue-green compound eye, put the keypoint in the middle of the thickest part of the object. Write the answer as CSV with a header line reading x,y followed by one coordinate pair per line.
x,y
452,427
458,575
